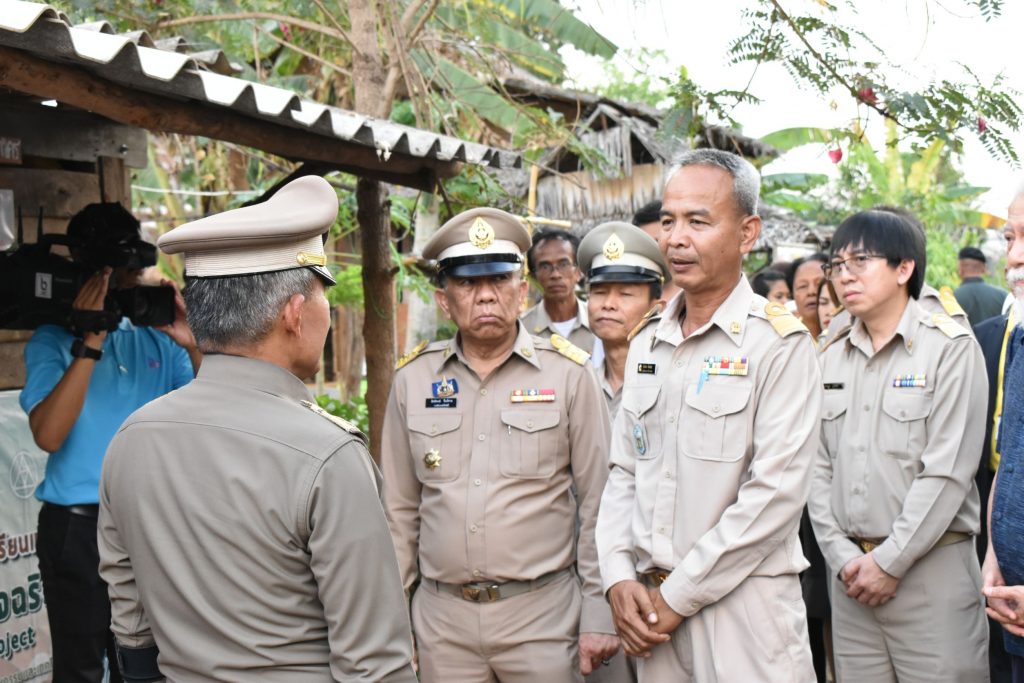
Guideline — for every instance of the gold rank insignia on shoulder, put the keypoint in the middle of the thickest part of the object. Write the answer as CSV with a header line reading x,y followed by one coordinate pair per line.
x,y
432,459
407,358
613,248
569,350
948,326
344,424
648,316
949,303
784,322
532,396
481,234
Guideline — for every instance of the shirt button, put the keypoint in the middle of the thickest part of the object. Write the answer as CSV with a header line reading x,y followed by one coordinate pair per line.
x,y
529,423
671,418
473,528
477,482
866,407
476,572
661,529
1009,469
860,449
481,437
433,429
828,414
715,409
679,363
483,392
997,515
903,413
694,605
668,475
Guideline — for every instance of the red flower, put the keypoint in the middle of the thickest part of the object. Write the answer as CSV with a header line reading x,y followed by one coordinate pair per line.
x,y
286,30
836,155
867,95
982,124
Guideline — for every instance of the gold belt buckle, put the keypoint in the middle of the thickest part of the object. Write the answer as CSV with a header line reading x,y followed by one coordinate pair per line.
x,y
489,593
868,546
657,576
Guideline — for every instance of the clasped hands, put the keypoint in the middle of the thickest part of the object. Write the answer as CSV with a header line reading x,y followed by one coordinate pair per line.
x,y
642,617
867,583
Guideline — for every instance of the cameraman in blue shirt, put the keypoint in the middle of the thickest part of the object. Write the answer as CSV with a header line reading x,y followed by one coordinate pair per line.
x,y
78,390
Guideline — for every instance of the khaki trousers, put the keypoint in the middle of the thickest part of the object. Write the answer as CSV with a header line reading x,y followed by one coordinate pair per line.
x,y
755,634
528,638
933,631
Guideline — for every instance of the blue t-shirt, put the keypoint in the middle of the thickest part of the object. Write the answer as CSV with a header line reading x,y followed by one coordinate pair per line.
x,y
1008,506
138,365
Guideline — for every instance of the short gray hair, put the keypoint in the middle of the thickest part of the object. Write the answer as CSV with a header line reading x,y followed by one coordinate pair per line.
x,y
746,181
240,310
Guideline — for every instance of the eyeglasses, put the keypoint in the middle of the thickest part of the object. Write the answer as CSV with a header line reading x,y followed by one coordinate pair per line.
x,y
855,265
563,266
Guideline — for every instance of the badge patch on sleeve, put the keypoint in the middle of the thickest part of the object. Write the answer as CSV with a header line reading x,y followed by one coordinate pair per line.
x,y
916,381
533,396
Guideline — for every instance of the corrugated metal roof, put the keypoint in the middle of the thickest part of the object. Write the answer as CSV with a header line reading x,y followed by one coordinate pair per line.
x,y
135,60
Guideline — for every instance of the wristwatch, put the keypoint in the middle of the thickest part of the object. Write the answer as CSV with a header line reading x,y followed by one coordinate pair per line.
x,y
80,350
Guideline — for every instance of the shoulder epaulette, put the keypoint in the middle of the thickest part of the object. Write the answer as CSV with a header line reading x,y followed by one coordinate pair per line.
x,y
416,350
569,350
653,314
344,424
948,326
949,303
784,322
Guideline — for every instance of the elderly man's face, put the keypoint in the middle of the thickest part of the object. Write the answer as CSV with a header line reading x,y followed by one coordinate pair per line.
x,y
1013,231
705,231
485,308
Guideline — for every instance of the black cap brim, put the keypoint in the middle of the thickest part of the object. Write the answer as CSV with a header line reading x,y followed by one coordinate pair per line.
x,y
324,274
622,274
481,269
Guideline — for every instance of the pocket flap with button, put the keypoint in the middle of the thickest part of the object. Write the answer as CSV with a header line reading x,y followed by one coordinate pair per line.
x,y
440,423
718,400
834,404
638,400
531,420
904,406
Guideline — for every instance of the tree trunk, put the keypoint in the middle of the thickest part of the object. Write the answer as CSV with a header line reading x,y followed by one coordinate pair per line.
x,y
423,314
374,216
379,297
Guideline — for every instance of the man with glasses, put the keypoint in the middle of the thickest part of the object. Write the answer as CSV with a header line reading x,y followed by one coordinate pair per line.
x,y
552,261
893,499
486,436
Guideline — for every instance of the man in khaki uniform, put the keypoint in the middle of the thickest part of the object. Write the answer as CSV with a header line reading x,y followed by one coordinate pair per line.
x,y
711,455
240,526
553,262
624,270
893,499
484,437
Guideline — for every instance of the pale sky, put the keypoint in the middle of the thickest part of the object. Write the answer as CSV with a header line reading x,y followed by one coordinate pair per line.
x,y
920,45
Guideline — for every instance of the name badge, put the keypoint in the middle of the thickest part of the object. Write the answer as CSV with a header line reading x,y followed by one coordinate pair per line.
x,y
442,402
646,368
833,385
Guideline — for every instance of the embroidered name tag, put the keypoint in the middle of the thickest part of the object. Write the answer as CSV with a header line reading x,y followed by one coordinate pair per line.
x,y
646,368
916,381
532,396
442,402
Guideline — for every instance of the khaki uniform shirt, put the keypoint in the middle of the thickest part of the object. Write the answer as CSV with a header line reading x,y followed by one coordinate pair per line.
x,y
929,300
244,534
498,505
898,455
538,323
709,478
612,398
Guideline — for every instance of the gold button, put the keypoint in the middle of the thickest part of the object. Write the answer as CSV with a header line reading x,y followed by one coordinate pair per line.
x,y
526,352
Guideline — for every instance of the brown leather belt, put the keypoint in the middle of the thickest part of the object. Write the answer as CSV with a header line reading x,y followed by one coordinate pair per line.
x,y
655,577
949,538
492,591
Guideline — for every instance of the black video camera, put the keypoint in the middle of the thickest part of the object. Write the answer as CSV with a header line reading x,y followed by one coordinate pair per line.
x,y
38,287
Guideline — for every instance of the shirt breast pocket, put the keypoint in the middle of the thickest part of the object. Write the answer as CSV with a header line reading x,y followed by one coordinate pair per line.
x,y
833,412
530,443
436,446
644,430
714,423
903,431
